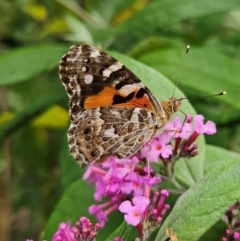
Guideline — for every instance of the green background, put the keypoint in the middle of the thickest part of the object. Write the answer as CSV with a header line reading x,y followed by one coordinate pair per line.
x,y
40,182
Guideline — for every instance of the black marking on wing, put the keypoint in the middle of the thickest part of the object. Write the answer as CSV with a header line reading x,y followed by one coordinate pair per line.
x,y
125,76
118,99
140,93
121,84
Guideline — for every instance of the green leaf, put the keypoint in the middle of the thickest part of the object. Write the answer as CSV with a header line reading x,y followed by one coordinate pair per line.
x,y
153,43
204,203
123,231
25,63
216,155
28,114
205,70
221,113
79,31
189,171
72,206
48,118
109,9
216,232
162,14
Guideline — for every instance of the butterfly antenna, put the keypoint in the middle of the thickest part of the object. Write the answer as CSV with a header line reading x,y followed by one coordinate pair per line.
x,y
181,70
208,96
221,93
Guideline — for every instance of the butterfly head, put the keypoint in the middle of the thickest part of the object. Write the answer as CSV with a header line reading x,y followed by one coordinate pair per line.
x,y
174,104
170,106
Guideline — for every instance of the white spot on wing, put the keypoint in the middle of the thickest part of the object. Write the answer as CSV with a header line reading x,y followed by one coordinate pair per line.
x,y
127,89
84,69
134,117
112,68
78,53
78,88
115,66
88,79
107,72
94,53
110,133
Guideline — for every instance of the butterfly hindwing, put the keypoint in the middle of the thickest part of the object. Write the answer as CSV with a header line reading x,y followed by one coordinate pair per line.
x,y
102,131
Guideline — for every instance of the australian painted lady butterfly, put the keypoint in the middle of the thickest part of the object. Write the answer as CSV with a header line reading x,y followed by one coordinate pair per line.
x,y
112,111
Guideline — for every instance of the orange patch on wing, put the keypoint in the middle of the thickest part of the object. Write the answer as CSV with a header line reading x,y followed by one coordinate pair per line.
x,y
105,98
141,102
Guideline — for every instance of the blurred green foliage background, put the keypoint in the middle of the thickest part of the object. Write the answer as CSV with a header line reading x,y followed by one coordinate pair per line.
x,y
34,34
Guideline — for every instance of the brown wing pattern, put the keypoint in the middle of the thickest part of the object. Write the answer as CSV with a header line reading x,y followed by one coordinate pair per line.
x,y
103,131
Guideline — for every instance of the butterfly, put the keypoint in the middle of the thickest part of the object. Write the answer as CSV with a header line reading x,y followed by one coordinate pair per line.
x,y
112,112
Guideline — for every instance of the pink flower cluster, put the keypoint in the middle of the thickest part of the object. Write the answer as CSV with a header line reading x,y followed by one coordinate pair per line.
x,y
184,136
127,183
122,181
233,223
83,230
118,179
235,236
